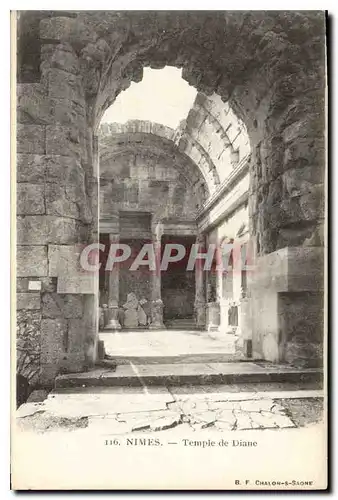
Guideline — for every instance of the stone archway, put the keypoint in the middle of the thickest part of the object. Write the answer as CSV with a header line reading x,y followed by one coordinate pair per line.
x,y
271,74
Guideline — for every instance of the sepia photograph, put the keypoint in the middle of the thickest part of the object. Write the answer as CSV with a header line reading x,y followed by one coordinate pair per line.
x,y
169,191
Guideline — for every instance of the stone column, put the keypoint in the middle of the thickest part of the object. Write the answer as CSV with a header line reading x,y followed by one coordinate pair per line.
x,y
199,286
113,291
156,296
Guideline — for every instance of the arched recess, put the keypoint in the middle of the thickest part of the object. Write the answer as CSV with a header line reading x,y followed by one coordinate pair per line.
x,y
154,139
269,67
270,74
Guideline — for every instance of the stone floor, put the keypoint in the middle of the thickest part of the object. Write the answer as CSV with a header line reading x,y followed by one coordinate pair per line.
x,y
120,411
167,343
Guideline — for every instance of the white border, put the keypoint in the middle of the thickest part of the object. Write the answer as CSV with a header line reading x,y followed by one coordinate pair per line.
x,y
331,6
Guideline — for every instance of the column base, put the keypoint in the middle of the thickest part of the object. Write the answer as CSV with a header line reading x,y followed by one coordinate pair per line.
x,y
113,323
157,326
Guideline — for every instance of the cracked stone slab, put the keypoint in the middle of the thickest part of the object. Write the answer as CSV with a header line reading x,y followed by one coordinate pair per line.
x,y
256,405
224,426
280,420
243,421
107,403
225,405
203,417
203,420
133,417
166,422
226,416
108,426
190,406
263,421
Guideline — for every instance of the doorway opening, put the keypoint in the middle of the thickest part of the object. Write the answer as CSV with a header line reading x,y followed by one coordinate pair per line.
x,y
178,286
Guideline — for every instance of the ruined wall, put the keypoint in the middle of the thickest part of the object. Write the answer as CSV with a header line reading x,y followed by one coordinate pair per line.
x,y
268,66
56,195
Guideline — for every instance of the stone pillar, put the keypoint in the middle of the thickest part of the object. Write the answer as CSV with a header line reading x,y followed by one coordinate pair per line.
x,y
199,287
113,292
156,296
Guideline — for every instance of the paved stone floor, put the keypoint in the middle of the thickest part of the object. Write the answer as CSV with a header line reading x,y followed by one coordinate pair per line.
x,y
167,343
119,411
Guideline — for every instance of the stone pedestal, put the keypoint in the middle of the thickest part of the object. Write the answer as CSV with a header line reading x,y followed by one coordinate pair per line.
x,y
113,323
213,316
286,306
156,315
156,298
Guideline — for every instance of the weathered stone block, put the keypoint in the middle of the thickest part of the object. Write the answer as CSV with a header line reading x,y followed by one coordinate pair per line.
x,y
69,113
64,262
48,284
31,261
52,305
31,139
64,85
303,151
30,199
73,306
54,334
58,203
28,301
301,318
310,125
66,29
61,56
30,168
298,181
63,140
64,259
33,107
67,306
290,269
295,236
63,170
76,336
43,229
84,283
21,284
312,203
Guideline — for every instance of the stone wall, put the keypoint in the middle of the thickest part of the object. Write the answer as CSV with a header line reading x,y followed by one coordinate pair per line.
x,y
55,211
270,69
